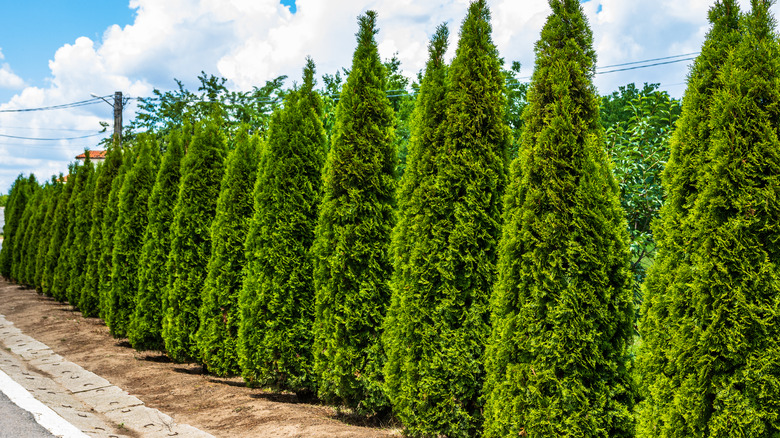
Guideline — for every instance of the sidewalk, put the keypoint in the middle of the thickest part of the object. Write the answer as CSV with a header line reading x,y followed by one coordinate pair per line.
x,y
85,400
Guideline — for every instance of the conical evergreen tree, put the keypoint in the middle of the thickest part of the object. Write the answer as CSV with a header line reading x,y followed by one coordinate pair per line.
x,y
61,280
18,197
351,262
26,227
89,303
562,308
202,171
59,232
108,231
77,255
46,233
727,328
36,235
218,331
277,299
666,292
144,331
130,225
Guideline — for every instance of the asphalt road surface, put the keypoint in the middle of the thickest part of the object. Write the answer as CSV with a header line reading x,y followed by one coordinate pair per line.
x,y
15,422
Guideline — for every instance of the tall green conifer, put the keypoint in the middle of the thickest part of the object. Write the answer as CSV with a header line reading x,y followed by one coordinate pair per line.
x,y
725,352
129,228
562,308
89,302
36,235
219,318
18,197
108,230
59,232
26,227
77,254
146,322
46,232
667,296
351,262
62,279
277,300
202,171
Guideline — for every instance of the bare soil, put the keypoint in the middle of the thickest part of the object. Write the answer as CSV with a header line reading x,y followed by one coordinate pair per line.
x,y
224,407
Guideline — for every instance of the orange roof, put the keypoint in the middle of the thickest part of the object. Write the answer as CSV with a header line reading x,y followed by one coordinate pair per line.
x,y
93,155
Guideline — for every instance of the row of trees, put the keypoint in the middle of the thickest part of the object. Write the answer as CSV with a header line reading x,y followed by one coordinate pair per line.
x,y
471,296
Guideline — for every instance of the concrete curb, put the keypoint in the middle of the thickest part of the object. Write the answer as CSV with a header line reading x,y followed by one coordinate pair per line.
x,y
90,403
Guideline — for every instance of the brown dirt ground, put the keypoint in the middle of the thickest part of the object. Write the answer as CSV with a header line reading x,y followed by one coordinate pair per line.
x,y
223,407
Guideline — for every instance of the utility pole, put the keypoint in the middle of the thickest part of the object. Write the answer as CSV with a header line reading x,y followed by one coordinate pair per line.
x,y
118,117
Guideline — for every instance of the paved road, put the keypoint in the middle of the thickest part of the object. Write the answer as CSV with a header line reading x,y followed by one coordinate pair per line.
x,y
15,422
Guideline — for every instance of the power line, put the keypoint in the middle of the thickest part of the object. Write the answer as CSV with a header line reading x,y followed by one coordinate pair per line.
x,y
649,60
51,139
55,107
29,128
644,66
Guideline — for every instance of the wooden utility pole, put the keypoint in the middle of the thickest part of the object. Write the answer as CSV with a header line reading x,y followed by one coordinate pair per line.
x,y
118,117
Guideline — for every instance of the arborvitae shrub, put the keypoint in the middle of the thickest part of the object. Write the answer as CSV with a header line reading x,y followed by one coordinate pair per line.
x,y
36,235
62,279
77,255
25,228
666,288
145,324
128,229
218,331
277,299
108,231
89,303
46,232
562,308
17,200
201,173
724,320
351,263
59,232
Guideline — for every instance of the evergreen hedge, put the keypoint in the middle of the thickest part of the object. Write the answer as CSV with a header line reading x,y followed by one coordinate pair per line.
x,y
36,235
129,229
351,262
89,302
277,299
201,173
666,288
144,331
17,201
77,255
24,229
219,316
46,233
562,309
59,233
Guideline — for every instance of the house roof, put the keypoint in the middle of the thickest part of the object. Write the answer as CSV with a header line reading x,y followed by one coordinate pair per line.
x,y
93,155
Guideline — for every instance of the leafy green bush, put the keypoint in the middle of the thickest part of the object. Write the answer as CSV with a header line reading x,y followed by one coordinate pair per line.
x,y
277,299
557,361
46,232
77,255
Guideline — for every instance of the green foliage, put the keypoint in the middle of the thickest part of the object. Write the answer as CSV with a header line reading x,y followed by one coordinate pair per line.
x,y
62,279
277,299
665,320
25,228
18,197
219,316
128,233
59,232
144,331
3,203
516,103
77,255
171,110
562,312
201,172
46,232
351,264
89,302
36,233
108,230
638,145
721,368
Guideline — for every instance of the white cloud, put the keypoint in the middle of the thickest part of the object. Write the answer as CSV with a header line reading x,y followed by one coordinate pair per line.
x,y
251,41
8,79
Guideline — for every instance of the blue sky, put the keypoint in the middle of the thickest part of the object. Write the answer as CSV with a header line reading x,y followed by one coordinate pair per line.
x,y
55,51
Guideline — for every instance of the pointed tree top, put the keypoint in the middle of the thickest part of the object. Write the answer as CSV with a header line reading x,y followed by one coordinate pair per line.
x,y
365,35
308,75
438,45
